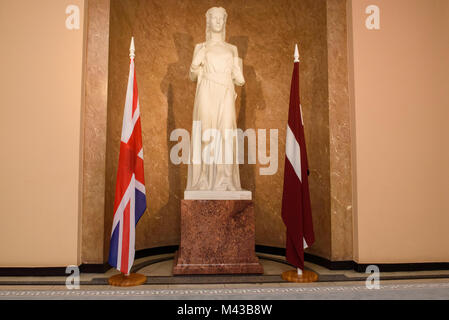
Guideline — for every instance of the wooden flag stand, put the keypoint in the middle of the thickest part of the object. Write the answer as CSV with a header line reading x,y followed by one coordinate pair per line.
x,y
131,280
305,276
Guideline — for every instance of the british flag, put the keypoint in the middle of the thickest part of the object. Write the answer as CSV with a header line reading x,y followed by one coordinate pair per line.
x,y
130,199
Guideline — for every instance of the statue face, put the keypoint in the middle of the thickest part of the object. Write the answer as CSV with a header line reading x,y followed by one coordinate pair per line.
x,y
217,21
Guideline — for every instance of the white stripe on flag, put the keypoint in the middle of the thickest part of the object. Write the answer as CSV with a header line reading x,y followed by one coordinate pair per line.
x,y
118,214
293,152
140,154
119,247
140,186
136,115
132,229
127,126
128,196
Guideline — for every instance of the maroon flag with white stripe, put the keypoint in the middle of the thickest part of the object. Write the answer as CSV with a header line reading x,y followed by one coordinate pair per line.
x,y
296,208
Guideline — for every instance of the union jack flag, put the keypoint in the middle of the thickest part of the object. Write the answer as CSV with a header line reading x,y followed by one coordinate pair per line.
x,y
130,199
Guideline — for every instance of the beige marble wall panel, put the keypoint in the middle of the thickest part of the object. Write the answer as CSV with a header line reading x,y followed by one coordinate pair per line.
x,y
339,131
94,139
265,33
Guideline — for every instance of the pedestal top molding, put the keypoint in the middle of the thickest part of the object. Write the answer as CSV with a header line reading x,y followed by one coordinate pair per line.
x,y
217,195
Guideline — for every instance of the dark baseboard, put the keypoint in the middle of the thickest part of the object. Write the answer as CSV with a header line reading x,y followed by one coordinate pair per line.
x,y
102,268
404,267
359,267
33,272
155,251
94,268
331,265
270,250
51,271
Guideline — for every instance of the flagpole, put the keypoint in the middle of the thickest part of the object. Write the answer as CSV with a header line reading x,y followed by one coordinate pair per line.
x,y
296,59
132,55
128,279
299,275
296,56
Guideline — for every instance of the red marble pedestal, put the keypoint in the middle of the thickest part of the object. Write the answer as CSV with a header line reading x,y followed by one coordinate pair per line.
x,y
217,237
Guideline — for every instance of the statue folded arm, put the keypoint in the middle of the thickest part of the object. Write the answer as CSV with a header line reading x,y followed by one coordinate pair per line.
x,y
237,69
197,62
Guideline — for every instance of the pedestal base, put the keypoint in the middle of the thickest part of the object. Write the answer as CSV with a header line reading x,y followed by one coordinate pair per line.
x,y
219,268
307,276
217,237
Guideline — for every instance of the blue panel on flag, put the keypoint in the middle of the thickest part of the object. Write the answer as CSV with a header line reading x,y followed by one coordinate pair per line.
x,y
141,204
113,250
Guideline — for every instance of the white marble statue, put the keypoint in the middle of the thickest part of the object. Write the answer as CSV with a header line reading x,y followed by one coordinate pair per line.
x,y
216,67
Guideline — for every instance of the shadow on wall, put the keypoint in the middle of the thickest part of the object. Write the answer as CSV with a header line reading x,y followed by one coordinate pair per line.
x,y
250,103
177,88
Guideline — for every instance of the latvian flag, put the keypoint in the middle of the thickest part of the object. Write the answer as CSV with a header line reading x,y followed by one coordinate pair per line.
x,y
296,209
130,199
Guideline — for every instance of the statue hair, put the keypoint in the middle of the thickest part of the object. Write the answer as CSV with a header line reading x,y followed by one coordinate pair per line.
x,y
208,20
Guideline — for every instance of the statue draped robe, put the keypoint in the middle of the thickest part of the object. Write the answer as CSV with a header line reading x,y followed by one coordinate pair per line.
x,y
213,158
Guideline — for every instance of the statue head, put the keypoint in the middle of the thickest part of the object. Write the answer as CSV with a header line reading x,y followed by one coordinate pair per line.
x,y
216,22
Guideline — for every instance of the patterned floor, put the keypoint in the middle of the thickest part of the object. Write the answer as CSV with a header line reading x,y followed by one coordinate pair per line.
x,y
389,291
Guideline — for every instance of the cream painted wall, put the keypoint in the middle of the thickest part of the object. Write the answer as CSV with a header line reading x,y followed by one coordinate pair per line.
x,y
41,66
400,99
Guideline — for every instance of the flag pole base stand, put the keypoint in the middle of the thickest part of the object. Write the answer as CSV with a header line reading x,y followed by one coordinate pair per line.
x,y
121,280
306,277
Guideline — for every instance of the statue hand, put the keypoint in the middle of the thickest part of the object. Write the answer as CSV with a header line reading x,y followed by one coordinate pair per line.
x,y
199,56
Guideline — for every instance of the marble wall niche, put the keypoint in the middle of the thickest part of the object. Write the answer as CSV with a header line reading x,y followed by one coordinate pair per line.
x,y
95,111
339,133
265,32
